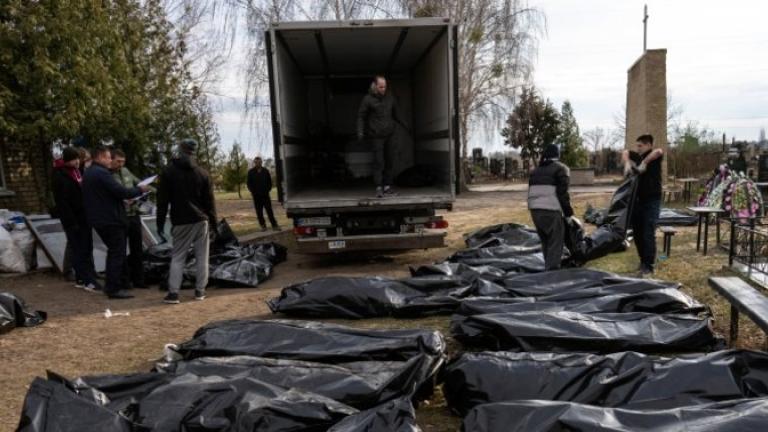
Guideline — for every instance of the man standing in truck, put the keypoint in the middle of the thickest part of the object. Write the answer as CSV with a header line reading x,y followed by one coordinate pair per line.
x,y
376,121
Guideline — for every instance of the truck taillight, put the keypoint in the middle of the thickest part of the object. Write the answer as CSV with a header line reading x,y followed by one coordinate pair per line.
x,y
439,224
302,231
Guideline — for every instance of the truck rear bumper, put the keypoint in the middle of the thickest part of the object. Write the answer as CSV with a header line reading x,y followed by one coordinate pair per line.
x,y
371,242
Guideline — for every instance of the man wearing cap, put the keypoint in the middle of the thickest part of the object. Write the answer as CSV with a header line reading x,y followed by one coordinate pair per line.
x,y
188,190
67,188
549,202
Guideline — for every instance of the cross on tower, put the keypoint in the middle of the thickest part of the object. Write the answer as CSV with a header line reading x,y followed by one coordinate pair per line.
x,y
645,29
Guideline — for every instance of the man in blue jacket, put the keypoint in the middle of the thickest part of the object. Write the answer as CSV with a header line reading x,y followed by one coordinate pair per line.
x,y
103,198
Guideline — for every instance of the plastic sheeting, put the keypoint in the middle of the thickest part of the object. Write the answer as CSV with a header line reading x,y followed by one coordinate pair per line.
x,y
626,379
464,289
366,297
561,331
14,312
312,341
547,416
320,377
667,216
231,264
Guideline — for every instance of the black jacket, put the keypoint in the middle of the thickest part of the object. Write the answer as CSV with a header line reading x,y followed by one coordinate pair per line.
x,y
68,196
377,116
259,182
649,182
548,187
188,190
103,197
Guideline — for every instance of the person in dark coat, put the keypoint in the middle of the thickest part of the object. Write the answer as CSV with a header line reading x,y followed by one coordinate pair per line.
x,y
103,197
548,202
646,163
66,184
188,190
376,120
260,185
134,269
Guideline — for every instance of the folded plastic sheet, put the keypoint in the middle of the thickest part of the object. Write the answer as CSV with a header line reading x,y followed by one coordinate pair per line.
x,y
625,379
231,264
547,416
562,331
14,312
311,341
365,297
590,300
362,385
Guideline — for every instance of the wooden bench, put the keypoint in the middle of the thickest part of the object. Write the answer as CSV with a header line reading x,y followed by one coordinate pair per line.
x,y
668,232
743,298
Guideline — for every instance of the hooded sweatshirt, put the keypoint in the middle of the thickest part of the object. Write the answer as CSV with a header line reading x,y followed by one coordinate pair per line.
x,y
188,190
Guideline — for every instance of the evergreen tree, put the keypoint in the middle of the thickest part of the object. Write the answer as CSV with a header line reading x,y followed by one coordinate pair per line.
x,y
533,123
572,152
235,172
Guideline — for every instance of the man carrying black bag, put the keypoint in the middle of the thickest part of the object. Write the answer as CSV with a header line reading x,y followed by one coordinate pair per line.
x,y
549,202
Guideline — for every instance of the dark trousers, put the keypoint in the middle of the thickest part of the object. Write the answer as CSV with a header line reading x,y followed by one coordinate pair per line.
x,y
551,230
114,239
383,155
262,203
134,265
645,215
80,246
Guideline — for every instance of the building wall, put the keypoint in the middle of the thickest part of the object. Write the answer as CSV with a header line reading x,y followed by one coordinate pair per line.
x,y
26,170
647,100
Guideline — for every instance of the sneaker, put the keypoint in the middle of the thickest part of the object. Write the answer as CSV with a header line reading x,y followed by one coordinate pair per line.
x,y
172,298
379,192
80,284
120,295
93,287
263,229
199,295
388,191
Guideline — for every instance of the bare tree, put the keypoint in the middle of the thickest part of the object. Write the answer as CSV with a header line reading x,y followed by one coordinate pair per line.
x,y
674,118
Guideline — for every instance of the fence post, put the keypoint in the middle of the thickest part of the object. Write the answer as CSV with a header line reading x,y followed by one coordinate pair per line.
x,y
732,248
751,246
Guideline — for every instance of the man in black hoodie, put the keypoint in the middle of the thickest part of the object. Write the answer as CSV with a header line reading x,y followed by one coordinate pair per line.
x,y
188,190
103,198
376,120
260,184
549,202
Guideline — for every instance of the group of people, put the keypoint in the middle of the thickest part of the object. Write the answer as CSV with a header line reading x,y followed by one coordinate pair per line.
x,y
550,205
101,194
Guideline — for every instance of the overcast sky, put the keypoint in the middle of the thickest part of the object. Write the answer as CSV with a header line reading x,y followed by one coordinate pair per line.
x,y
717,64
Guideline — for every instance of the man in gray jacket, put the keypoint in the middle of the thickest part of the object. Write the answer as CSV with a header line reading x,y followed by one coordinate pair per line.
x,y
549,202
376,120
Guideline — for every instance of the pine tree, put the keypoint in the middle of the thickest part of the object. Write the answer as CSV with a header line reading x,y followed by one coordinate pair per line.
x,y
573,152
235,172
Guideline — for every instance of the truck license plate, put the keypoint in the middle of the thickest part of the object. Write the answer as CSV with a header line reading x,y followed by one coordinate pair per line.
x,y
337,244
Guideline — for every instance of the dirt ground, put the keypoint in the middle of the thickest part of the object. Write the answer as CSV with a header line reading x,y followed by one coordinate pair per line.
x,y
78,340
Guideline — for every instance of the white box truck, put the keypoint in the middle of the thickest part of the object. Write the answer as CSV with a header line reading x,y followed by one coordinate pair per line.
x,y
318,75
